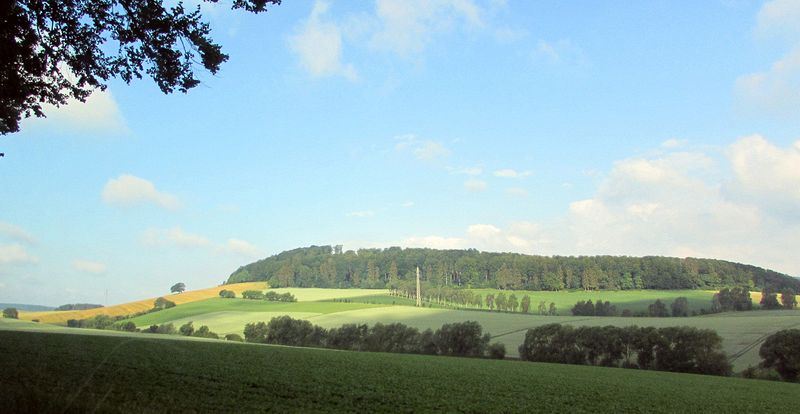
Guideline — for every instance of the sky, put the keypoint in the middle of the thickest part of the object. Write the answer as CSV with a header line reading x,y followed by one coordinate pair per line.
x,y
552,128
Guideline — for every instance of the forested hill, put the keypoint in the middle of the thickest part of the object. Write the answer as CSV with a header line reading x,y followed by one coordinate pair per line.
x,y
326,266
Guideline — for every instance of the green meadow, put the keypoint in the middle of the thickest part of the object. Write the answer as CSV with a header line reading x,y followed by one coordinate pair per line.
x,y
97,373
741,332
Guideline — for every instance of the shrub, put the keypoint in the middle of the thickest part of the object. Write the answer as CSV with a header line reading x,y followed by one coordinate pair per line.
x,y
11,313
253,294
256,332
234,337
657,309
162,303
186,329
205,332
781,351
497,350
461,339
128,327
227,294
680,307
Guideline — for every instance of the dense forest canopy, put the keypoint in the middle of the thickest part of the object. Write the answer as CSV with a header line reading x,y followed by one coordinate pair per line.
x,y
394,267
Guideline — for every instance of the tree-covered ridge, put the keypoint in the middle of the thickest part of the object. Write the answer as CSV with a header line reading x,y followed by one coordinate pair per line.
x,y
394,268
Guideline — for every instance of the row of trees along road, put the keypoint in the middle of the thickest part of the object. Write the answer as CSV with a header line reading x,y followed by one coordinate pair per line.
x,y
394,268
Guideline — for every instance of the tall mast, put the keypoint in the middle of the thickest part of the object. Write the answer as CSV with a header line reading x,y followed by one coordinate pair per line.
x,y
419,295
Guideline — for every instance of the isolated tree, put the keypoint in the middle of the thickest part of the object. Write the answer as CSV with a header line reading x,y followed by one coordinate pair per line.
x,y
680,306
497,350
57,50
657,309
513,303
525,304
178,288
227,294
781,351
552,310
490,301
501,301
162,303
186,329
788,299
11,313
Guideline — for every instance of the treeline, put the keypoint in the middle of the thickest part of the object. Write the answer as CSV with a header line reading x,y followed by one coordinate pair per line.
x,y
454,339
394,268
270,295
77,306
677,349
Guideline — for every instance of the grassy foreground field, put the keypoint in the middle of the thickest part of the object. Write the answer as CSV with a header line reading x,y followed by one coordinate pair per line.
x,y
51,372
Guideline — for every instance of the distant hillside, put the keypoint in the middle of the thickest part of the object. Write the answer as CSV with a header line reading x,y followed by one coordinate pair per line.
x,y
25,307
326,266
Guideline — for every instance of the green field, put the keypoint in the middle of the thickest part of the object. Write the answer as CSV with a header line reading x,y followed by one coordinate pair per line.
x,y
634,300
51,372
244,306
741,332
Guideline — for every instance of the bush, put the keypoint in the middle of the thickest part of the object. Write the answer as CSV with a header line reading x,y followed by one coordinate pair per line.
x,y
781,351
285,330
11,313
128,327
205,332
162,303
680,307
234,337
657,309
497,350
186,329
227,294
256,332
679,349
253,294
461,339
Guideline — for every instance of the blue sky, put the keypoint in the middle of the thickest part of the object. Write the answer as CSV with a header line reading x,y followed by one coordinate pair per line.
x,y
655,128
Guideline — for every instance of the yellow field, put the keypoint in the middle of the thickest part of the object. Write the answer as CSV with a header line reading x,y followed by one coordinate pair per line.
x,y
139,306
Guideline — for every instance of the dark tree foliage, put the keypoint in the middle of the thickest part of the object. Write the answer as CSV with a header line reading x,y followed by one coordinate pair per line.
x,y
769,300
162,303
781,351
54,50
187,329
680,307
128,327
205,332
11,313
179,287
497,350
234,337
679,349
227,294
77,306
394,268
253,294
732,299
256,332
789,299
461,339
583,308
657,309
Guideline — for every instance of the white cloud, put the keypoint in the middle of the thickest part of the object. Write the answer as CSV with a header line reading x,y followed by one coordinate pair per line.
x,y
407,204
776,90
475,185
779,18
15,254
361,213
517,192
674,143
175,236
423,150
99,114
87,266
406,27
241,247
561,52
128,190
765,172
511,173
16,233
678,203
318,44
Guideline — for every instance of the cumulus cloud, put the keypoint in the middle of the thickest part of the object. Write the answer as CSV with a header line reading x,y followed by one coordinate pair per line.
x,y
86,266
175,236
15,253
678,203
15,233
407,27
776,90
99,114
241,247
511,173
779,18
423,150
475,185
361,213
129,190
318,45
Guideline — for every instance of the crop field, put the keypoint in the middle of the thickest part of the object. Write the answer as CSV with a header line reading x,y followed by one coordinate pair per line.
x,y
48,372
61,317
